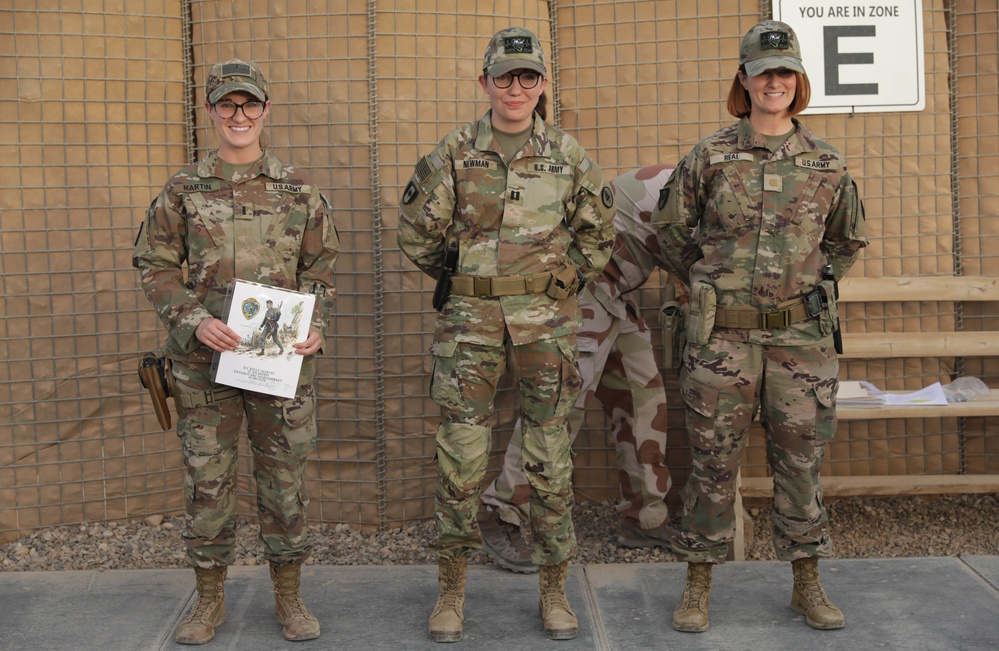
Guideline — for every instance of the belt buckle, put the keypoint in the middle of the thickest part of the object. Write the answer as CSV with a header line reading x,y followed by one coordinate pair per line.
x,y
774,320
481,287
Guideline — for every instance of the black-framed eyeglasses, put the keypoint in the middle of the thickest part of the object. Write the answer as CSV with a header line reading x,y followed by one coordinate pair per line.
x,y
527,79
227,109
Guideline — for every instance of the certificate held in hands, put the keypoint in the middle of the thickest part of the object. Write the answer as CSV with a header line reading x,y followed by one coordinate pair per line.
x,y
268,321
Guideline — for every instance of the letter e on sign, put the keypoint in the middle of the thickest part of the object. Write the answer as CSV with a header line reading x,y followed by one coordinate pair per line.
x,y
860,57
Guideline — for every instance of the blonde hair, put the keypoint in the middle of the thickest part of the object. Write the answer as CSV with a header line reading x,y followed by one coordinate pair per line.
x,y
739,104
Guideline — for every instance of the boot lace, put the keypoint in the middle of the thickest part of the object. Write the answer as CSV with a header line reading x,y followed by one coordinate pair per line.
x,y
450,597
209,588
697,585
552,600
810,588
285,586
554,578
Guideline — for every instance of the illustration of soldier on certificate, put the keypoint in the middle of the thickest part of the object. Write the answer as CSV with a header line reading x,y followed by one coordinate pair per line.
x,y
269,321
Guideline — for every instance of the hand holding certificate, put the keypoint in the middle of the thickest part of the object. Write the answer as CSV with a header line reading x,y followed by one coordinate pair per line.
x,y
269,321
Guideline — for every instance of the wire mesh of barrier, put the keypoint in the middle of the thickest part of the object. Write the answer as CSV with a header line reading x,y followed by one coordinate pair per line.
x,y
102,104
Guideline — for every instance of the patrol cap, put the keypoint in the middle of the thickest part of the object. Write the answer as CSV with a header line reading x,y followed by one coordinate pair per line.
x,y
768,46
233,75
511,49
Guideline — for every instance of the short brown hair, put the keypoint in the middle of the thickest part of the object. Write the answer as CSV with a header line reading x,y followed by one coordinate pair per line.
x,y
739,104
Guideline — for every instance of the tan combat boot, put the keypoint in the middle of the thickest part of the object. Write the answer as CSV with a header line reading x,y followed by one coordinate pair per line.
x,y
810,600
691,614
299,624
208,612
445,621
560,621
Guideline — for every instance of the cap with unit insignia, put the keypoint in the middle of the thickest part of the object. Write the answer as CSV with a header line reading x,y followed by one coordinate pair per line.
x,y
768,46
234,75
512,49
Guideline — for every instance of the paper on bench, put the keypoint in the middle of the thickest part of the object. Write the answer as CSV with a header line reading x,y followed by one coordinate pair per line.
x,y
853,393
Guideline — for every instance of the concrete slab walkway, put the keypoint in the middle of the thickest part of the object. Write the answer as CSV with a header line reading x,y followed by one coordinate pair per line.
x,y
916,604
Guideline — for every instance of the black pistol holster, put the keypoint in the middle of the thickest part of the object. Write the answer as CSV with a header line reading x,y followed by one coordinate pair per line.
x,y
827,274
152,377
450,265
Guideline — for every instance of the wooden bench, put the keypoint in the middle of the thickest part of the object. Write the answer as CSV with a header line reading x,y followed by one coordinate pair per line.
x,y
858,346
921,344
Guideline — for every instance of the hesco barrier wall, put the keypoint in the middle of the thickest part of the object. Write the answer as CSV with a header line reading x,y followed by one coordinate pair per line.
x,y
100,101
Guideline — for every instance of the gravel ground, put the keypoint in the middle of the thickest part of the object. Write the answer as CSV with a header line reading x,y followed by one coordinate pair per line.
x,y
862,528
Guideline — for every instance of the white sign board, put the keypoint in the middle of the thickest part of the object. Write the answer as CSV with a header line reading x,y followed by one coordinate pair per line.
x,y
860,56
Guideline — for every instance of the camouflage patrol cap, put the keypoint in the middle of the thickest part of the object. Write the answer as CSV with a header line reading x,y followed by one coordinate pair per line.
x,y
768,46
233,75
512,49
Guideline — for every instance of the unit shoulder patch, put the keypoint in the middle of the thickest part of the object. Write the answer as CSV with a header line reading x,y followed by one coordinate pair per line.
x,y
410,193
607,197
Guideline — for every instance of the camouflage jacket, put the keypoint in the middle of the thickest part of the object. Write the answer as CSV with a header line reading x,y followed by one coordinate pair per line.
x,y
759,225
270,225
636,252
548,208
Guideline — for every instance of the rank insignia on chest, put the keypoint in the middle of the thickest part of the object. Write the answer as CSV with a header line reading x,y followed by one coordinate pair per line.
x,y
250,307
772,183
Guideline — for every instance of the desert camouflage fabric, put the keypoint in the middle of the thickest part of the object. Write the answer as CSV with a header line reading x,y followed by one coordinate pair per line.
x,y
721,384
618,366
269,225
550,207
759,225
464,385
282,434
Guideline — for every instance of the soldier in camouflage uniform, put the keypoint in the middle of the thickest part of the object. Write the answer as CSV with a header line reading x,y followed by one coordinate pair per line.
x,y
619,371
240,213
269,328
531,215
750,220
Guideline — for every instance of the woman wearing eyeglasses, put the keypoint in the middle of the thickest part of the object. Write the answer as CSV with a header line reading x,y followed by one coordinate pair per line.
x,y
528,216
760,219
239,214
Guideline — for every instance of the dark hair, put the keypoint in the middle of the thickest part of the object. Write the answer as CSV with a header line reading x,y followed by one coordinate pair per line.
x,y
542,108
739,104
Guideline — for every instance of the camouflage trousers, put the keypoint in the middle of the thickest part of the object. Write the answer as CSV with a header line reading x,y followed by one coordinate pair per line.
x,y
464,384
281,433
619,371
724,384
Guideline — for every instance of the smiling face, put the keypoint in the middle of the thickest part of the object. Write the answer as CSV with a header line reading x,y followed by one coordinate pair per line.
x,y
513,107
771,94
239,135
